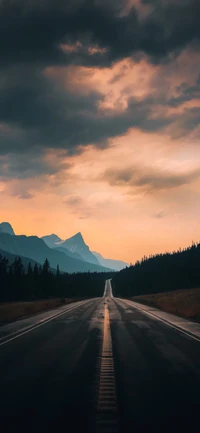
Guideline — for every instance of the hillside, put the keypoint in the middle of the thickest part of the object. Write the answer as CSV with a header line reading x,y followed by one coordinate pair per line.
x,y
184,303
69,254
11,257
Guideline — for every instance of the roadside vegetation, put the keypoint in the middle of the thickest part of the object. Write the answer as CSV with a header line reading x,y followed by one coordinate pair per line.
x,y
10,311
184,303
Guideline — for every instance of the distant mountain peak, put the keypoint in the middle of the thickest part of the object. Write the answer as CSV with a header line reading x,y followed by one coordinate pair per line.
x,y
51,240
6,227
77,237
53,236
76,244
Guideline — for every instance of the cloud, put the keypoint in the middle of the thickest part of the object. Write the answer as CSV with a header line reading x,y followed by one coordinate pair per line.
x,y
185,93
24,30
47,46
159,215
89,206
74,200
38,114
149,179
23,195
33,165
80,206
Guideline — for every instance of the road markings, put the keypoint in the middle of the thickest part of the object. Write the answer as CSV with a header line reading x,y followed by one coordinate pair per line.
x,y
182,331
107,421
39,324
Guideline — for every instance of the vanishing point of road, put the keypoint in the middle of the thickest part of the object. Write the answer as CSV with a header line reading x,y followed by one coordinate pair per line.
x,y
99,366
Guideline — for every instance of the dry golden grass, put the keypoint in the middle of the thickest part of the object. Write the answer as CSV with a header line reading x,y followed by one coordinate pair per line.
x,y
184,303
11,311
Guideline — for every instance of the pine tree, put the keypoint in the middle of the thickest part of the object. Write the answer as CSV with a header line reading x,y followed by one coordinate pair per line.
x,y
58,271
3,265
30,270
46,267
35,270
18,268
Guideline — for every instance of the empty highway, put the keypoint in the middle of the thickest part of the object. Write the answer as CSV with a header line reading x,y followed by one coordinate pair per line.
x,y
100,365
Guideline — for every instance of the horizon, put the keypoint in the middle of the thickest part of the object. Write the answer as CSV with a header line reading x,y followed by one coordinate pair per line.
x,y
99,252
99,125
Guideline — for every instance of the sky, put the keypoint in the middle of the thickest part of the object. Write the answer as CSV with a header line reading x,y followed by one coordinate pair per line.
x,y
100,122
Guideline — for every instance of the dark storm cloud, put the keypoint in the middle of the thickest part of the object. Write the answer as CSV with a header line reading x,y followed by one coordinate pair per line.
x,y
44,115
36,113
41,113
33,31
148,178
31,164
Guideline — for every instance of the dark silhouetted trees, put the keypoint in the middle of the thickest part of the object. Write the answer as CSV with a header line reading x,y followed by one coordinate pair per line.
x,y
160,273
40,282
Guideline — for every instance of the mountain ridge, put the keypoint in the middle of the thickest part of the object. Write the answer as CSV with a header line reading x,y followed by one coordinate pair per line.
x,y
73,248
117,265
75,245
35,248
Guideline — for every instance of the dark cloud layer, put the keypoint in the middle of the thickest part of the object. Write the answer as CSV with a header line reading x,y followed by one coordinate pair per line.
x,y
44,115
33,31
36,113
32,164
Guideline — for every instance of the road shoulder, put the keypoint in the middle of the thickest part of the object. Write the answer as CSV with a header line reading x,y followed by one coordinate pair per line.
x,y
189,328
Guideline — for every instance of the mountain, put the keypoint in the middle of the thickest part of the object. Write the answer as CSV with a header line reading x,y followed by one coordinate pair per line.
x,y
76,244
117,265
36,249
51,240
25,260
76,248
69,253
6,228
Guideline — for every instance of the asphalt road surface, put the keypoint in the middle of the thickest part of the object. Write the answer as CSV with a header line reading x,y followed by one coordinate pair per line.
x,y
102,366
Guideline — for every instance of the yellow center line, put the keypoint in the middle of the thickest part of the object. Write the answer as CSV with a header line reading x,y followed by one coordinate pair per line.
x,y
107,421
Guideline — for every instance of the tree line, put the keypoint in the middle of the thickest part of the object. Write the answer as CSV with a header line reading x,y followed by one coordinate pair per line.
x,y
39,282
160,273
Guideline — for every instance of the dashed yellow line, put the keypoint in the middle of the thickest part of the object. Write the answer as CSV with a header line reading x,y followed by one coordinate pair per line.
x,y
106,421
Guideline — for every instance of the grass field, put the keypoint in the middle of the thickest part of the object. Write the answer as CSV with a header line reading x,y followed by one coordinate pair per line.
x,y
11,311
184,303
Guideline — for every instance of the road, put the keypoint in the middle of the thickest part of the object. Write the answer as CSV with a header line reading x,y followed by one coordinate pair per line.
x,y
100,366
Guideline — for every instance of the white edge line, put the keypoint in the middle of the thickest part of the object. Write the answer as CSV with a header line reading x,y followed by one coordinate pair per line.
x,y
162,320
38,324
34,324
